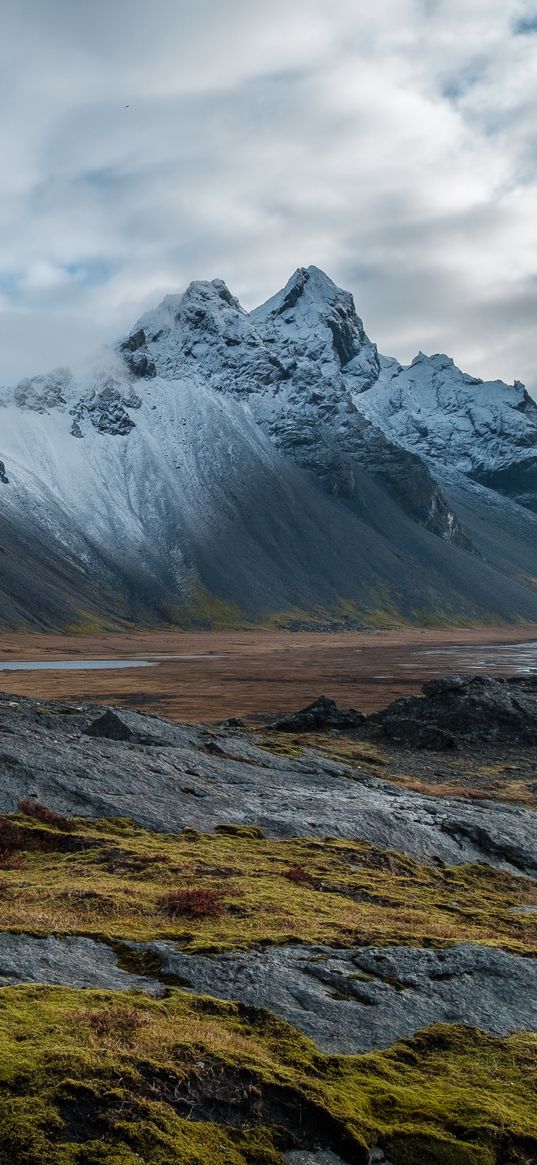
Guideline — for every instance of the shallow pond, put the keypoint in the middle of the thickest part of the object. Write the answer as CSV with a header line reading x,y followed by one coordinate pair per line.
x,y
503,658
72,664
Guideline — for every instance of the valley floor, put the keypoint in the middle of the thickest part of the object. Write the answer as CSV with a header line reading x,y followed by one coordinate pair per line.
x,y
209,675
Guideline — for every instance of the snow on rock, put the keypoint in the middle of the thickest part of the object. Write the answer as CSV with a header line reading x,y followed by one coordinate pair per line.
x,y
191,438
205,330
486,430
295,360
316,321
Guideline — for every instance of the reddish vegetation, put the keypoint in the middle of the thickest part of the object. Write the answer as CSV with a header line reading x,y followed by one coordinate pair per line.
x,y
194,903
11,839
8,861
47,816
298,874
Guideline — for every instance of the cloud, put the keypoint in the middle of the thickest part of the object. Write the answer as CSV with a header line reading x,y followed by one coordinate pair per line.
x,y
392,144
525,25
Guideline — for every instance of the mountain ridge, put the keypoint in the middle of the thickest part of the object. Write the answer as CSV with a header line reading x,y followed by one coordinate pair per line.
x,y
269,462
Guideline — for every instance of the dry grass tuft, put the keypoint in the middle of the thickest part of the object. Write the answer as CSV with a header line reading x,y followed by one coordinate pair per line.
x,y
193,903
298,874
46,816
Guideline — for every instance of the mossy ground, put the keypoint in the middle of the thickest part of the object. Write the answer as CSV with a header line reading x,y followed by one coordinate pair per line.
x,y
104,1078
94,1078
111,879
338,746
343,616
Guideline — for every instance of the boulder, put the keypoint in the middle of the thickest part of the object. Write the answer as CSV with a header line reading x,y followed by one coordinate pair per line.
x,y
465,708
127,726
322,714
415,734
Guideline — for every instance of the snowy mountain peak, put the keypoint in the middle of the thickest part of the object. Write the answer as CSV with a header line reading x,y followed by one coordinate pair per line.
x,y
437,360
317,321
202,300
308,287
176,462
203,333
207,331
459,424
213,294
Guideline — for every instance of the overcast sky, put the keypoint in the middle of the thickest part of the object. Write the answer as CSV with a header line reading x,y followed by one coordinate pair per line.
x,y
145,143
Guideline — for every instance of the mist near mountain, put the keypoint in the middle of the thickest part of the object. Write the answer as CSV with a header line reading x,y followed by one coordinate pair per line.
x,y
219,467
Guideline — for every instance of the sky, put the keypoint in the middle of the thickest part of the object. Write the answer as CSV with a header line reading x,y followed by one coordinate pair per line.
x,y
146,143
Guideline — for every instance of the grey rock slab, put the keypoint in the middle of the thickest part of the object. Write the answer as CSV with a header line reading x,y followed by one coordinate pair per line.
x,y
321,1157
117,724
204,778
356,1000
72,962
348,1001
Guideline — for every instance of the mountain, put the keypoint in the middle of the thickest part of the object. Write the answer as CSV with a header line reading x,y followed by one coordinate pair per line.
x,y
484,430
220,467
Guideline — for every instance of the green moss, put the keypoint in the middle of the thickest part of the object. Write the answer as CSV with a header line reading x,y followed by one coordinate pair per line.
x,y
384,619
345,615
110,879
337,746
205,610
409,1149
90,623
230,830
146,962
281,744
88,1077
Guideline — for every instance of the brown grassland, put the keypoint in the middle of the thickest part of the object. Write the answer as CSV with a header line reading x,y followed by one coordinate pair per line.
x,y
249,673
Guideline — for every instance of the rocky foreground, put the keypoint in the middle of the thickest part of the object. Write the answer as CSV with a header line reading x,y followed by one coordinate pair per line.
x,y
312,942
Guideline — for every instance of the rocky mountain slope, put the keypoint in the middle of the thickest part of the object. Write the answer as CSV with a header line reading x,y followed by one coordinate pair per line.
x,y
485,430
265,465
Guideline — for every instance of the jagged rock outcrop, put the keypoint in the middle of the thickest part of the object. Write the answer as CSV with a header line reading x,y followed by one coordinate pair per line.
x,y
323,714
135,355
486,430
105,407
121,725
41,393
464,708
